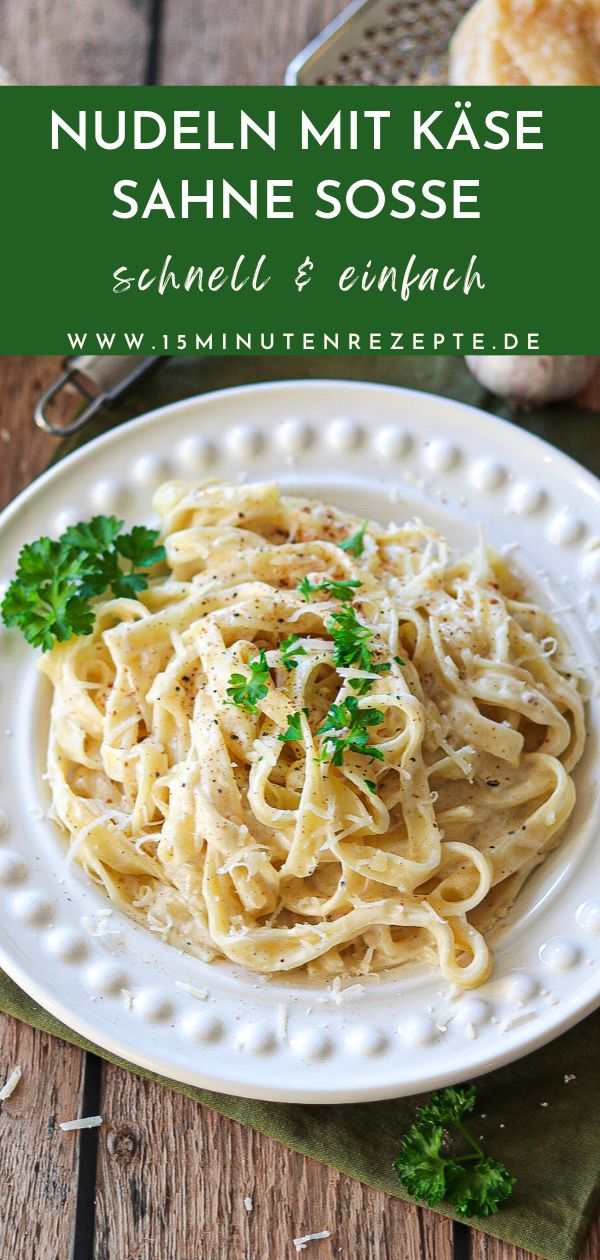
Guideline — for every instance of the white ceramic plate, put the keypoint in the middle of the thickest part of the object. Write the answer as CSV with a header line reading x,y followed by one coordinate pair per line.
x,y
387,453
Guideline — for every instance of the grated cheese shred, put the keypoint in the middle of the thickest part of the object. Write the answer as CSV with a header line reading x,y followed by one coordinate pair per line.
x,y
193,990
301,1243
10,1084
86,1122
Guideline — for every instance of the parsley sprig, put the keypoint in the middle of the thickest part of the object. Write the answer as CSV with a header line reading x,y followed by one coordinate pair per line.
x,y
293,730
48,600
346,728
350,639
356,544
289,651
342,590
361,686
351,647
430,1168
244,691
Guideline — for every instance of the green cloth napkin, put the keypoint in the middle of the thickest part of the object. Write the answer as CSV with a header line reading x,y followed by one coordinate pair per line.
x,y
552,1149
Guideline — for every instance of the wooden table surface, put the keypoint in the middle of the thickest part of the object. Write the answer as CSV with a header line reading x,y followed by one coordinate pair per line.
x,y
164,1179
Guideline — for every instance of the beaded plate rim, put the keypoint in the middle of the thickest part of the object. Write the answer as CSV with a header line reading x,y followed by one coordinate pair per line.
x,y
142,1000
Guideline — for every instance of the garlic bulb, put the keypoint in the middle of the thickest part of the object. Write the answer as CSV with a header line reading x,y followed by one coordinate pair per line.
x,y
532,378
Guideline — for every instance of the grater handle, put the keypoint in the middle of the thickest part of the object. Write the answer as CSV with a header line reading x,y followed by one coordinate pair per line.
x,y
100,379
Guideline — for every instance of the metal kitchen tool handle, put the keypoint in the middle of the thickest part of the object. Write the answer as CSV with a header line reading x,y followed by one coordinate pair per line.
x,y
101,380
382,42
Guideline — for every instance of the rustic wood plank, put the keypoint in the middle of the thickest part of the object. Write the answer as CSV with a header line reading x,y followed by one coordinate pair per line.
x,y
221,43
172,1178
38,1162
485,1248
24,451
590,397
64,41
591,1246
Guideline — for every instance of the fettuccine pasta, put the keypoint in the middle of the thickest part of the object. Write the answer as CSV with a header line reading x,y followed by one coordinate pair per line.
x,y
230,823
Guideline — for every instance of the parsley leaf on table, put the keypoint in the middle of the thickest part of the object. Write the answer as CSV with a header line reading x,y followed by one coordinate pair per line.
x,y
356,544
244,691
421,1165
289,650
479,1188
449,1105
346,730
432,1170
49,597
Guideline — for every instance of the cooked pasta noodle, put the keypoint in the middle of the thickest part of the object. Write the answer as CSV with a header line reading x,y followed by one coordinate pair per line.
x,y
221,837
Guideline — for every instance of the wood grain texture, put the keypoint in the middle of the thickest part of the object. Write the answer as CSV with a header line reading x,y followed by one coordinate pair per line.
x,y
65,41
590,397
38,1162
229,41
591,1246
172,1178
24,451
485,1248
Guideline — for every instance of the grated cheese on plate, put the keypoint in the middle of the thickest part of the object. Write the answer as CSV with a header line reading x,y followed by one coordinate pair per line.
x,y
507,1025
99,926
193,990
282,1021
337,994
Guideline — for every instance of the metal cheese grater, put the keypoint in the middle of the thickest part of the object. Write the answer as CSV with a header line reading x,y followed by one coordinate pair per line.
x,y
382,42
95,382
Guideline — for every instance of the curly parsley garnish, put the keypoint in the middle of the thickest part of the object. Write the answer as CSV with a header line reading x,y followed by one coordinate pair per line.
x,y
350,639
356,544
342,590
49,598
431,1167
346,730
244,691
294,727
289,651
361,686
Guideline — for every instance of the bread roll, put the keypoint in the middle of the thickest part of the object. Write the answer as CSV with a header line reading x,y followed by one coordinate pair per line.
x,y
516,43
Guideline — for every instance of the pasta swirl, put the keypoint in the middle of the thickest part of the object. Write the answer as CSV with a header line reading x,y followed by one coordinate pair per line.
x,y
230,828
